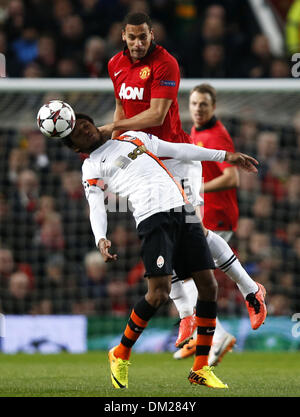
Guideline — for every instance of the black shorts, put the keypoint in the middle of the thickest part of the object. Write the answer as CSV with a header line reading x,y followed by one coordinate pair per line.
x,y
174,241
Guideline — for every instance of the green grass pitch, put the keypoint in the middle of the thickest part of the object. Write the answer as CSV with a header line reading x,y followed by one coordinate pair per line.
x,y
150,375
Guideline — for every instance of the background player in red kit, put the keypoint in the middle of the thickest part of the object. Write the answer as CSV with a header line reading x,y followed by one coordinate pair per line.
x,y
146,81
221,210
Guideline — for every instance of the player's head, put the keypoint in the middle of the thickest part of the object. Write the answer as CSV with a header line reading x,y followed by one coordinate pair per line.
x,y
138,34
202,104
85,137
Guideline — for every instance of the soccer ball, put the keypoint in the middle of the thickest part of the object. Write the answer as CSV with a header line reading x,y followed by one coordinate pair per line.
x,y
56,119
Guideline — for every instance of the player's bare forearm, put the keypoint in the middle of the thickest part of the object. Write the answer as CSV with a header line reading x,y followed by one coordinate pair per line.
x,y
242,160
108,131
143,120
153,116
217,184
104,245
119,114
227,180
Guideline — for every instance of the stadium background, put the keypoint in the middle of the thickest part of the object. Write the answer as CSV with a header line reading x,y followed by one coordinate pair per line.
x,y
48,262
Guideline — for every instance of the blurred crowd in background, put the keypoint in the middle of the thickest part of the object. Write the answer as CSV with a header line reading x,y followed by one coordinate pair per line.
x,y
48,260
76,38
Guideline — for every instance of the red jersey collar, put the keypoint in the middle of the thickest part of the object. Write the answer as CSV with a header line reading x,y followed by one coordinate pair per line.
x,y
211,123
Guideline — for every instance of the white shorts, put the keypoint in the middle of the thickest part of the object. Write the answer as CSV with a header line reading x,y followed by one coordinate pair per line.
x,y
189,175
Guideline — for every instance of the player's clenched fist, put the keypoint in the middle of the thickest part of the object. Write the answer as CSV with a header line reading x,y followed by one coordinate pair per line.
x,y
104,245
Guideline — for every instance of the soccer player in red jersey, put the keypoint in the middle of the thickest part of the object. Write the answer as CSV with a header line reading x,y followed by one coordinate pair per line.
x,y
146,82
221,210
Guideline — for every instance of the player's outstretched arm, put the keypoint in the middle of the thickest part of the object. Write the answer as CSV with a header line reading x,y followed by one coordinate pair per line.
x,y
153,116
188,152
242,160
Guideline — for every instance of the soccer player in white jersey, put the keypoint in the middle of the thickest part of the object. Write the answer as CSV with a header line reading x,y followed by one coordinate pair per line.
x,y
129,165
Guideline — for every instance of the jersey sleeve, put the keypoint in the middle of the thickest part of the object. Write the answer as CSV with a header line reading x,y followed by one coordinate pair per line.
x,y
95,197
188,152
166,78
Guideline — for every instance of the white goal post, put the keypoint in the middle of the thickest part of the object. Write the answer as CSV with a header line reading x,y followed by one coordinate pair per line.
x,y
105,84
272,101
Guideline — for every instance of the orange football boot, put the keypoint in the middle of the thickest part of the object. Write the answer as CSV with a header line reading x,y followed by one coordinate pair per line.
x,y
187,350
186,329
256,306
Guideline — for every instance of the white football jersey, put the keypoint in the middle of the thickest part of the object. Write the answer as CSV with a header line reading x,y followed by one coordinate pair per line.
x,y
189,174
129,167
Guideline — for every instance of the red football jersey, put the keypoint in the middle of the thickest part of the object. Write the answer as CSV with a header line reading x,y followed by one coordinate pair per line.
x,y
154,76
221,207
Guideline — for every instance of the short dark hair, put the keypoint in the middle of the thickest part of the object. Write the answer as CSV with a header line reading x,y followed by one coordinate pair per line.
x,y
67,141
137,18
206,88
84,116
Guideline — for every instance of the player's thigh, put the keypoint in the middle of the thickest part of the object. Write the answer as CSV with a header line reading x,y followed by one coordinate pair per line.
x,y
159,284
193,253
158,235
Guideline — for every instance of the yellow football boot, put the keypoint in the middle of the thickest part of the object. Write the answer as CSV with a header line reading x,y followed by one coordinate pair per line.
x,y
205,376
118,370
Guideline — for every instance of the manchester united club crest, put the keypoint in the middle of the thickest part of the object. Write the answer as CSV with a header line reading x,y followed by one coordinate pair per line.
x,y
145,73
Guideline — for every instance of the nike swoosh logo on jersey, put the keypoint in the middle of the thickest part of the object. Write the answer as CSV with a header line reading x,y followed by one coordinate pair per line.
x,y
117,73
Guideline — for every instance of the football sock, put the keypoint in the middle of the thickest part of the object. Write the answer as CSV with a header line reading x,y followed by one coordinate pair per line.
x,y
219,332
226,260
191,291
138,320
206,312
181,300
